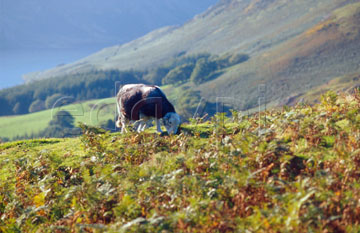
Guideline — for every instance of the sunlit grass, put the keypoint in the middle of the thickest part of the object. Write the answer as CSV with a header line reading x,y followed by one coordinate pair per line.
x,y
90,112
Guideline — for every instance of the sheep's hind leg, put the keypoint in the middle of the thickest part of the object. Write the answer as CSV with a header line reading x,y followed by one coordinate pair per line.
x,y
123,125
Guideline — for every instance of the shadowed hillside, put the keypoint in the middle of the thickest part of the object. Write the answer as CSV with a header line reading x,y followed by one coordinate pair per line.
x,y
325,51
230,26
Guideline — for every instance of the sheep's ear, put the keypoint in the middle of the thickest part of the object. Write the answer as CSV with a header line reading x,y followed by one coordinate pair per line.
x,y
166,117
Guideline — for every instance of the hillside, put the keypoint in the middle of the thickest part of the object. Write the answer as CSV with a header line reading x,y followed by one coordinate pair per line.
x,y
346,83
230,26
297,171
294,47
324,51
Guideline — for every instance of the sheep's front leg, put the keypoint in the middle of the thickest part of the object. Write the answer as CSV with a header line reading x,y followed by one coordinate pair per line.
x,y
147,123
139,125
135,124
158,126
143,127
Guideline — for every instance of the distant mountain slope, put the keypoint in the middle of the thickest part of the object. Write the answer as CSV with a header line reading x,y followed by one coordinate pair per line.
x,y
294,46
251,26
326,50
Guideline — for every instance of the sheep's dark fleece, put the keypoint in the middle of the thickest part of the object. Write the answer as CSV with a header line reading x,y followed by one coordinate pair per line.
x,y
140,102
147,100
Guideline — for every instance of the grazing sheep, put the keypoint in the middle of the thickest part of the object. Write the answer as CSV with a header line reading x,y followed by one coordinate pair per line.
x,y
141,103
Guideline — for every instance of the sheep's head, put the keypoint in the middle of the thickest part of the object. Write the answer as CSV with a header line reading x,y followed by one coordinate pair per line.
x,y
171,121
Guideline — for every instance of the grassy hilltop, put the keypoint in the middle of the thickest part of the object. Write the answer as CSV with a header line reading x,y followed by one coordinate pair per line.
x,y
295,170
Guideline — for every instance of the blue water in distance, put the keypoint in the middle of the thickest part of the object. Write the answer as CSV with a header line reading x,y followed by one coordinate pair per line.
x,y
16,62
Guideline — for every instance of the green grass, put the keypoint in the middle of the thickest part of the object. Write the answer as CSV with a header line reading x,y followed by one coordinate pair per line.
x,y
13,126
298,172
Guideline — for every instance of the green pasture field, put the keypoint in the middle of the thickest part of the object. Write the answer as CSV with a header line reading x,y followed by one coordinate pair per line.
x,y
90,112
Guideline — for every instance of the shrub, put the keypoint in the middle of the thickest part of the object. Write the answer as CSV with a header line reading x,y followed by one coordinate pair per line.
x,y
51,100
178,75
202,70
63,119
36,106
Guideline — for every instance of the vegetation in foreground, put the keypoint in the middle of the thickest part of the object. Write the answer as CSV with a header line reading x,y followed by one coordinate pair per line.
x,y
296,170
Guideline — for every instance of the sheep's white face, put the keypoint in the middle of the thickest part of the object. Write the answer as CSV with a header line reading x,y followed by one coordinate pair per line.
x,y
171,121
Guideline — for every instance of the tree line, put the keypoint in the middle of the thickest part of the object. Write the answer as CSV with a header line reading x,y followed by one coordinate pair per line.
x,y
42,94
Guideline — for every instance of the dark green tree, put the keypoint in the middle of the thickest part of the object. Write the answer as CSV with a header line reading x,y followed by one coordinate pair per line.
x,y
51,100
202,70
63,119
36,106
155,76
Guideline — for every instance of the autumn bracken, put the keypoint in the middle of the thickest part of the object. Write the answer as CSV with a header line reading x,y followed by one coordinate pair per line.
x,y
294,169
